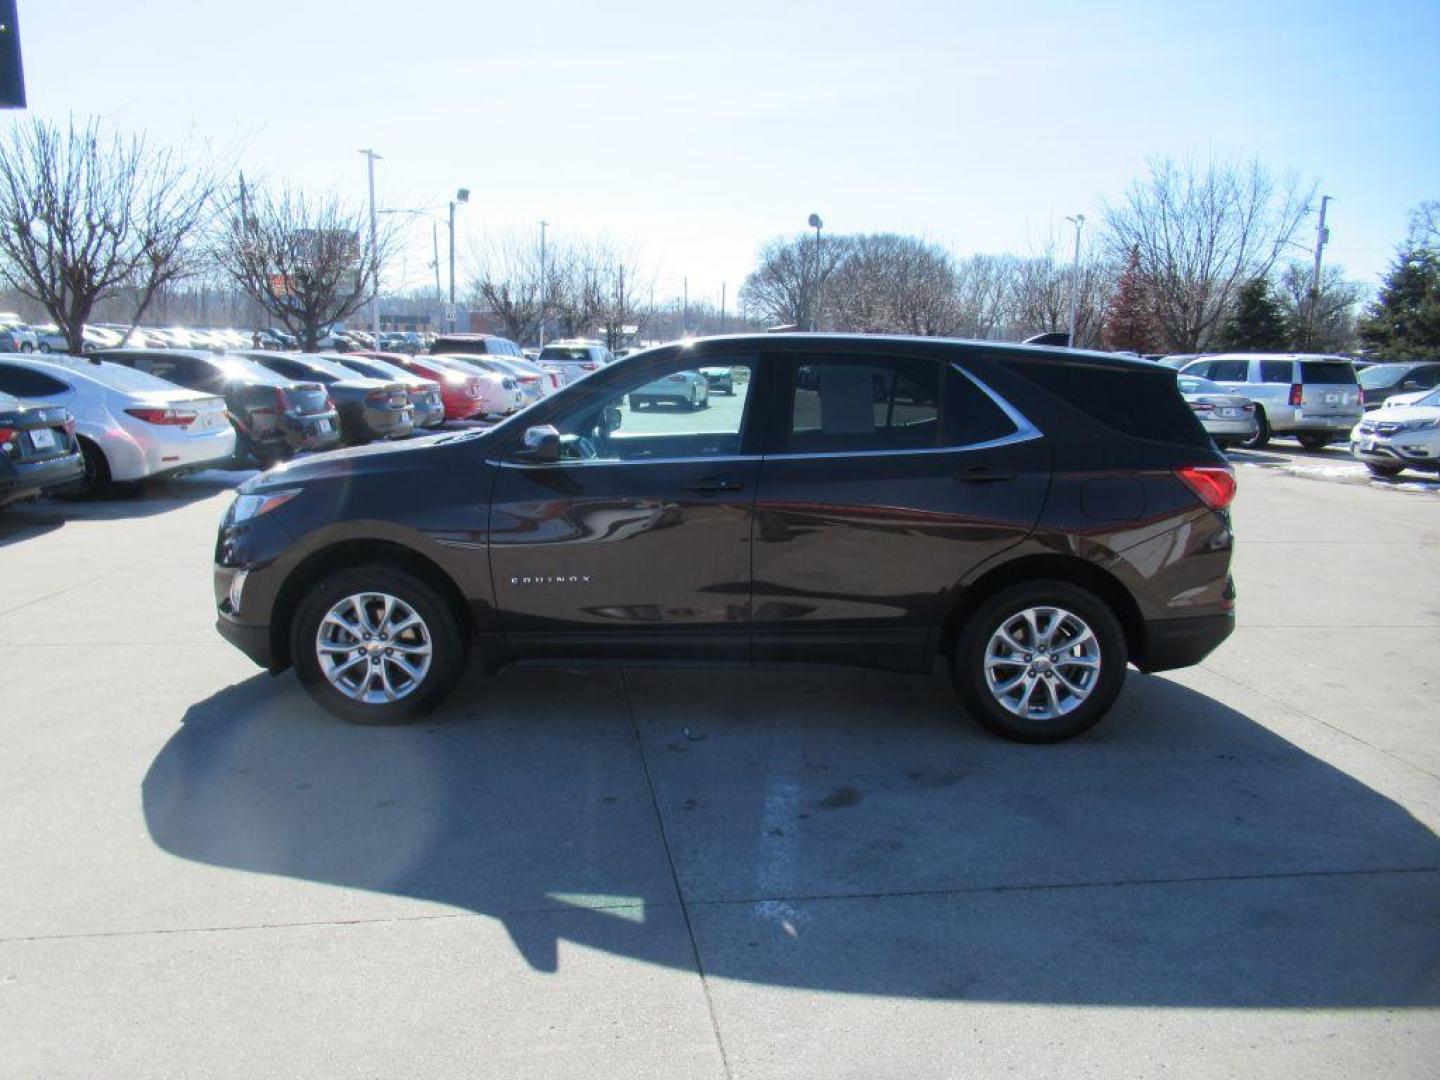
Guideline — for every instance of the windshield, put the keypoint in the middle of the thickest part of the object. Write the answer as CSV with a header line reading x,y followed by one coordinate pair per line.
x,y
1192,384
1372,378
551,352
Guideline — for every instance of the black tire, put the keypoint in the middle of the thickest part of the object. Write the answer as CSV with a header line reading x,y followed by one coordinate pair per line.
x,y
44,347
447,641
1261,438
967,666
96,479
1385,472
1314,440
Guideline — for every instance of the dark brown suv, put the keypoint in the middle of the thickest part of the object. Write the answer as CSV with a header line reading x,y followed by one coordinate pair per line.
x,y
1037,518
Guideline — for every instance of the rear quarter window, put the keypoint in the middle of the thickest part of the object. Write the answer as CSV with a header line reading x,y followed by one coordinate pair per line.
x,y
1141,402
1327,372
1276,371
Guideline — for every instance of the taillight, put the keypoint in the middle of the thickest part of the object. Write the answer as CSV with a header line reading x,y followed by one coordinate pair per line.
x,y
6,434
1213,485
588,367
163,417
1296,392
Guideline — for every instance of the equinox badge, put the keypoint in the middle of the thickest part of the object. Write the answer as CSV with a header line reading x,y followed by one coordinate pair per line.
x,y
562,579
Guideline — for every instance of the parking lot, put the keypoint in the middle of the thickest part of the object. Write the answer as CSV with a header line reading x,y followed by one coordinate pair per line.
x,y
668,873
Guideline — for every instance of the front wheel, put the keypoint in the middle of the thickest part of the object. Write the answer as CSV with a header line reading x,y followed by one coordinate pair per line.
x,y
1040,661
376,645
1262,432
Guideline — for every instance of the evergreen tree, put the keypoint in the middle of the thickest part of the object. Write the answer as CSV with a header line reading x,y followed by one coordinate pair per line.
x,y
1404,321
1129,318
1257,324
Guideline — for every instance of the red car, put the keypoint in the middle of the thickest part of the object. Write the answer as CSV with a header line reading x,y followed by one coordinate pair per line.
x,y
462,394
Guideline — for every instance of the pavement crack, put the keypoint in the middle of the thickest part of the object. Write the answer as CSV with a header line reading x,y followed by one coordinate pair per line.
x,y
675,877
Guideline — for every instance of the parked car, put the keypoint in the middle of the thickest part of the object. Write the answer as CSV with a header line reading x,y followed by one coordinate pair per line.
x,y
683,389
1227,418
369,408
1314,398
1400,437
574,359
1178,360
1410,397
465,394
478,344
1379,382
38,451
18,338
535,381
1038,519
50,340
425,398
271,338
721,380
130,425
501,391
274,417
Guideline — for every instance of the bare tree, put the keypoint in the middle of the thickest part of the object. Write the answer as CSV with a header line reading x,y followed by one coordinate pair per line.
x,y
984,286
305,261
1323,322
1202,232
624,286
86,216
506,281
782,289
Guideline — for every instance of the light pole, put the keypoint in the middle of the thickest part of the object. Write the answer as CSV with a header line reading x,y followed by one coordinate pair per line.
x,y
1079,222
370,158
817,225
461,198
1322,237
543,282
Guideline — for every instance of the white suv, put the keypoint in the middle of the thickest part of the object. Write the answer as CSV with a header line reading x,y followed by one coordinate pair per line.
x,y
1398,437
1313,397
573,360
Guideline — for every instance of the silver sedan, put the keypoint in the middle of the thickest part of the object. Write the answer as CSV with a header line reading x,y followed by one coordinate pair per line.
x,y
1227,418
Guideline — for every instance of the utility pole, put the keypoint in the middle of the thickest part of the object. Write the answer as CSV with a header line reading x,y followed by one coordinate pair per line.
x,y
1079,222
816,224
370,158
620,312
544,282
462,196
439,296
685,310
722,307
1322,237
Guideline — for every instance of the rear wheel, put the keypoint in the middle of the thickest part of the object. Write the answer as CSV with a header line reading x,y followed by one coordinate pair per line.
x,y
94,481
1314,440
44,347
376,645
1385,472
1040,661
1262,432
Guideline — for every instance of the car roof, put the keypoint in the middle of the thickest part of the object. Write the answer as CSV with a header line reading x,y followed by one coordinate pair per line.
x,y
105,374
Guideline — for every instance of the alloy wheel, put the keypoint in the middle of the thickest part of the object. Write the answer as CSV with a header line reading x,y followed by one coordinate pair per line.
x,y
374,648
1042,663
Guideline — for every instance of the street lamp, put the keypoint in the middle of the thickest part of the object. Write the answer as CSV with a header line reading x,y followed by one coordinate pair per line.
x,y
816,224
462,197
370,158
543,282
1079,222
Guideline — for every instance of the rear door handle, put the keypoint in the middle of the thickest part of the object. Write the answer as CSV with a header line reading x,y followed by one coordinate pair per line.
x,y
983,474
714,483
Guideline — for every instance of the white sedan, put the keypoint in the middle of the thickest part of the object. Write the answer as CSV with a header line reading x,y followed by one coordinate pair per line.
x,y
131,426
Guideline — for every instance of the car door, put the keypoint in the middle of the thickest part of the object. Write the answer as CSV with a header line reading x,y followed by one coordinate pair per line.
x,y
885,478
636,543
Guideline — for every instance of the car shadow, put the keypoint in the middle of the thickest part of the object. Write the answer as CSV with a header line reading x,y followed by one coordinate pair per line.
x,y
836,831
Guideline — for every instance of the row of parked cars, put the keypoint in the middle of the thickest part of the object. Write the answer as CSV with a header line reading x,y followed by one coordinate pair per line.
x,y
75,425
16,336
1388,413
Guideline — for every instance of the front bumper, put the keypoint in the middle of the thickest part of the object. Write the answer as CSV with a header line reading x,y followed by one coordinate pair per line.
x,y
253,641
1395,450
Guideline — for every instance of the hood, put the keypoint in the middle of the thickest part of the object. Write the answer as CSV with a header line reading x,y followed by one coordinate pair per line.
x,y
376,457
1395,401
1402,413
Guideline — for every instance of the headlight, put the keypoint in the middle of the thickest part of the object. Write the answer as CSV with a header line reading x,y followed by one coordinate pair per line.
x,y
1420,425
246,507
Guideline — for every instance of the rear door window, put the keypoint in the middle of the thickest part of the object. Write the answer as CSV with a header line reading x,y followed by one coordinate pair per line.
x,y
1327,373
854,404
1277,371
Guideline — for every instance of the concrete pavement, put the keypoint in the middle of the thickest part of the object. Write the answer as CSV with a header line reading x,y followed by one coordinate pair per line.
x,y
747,874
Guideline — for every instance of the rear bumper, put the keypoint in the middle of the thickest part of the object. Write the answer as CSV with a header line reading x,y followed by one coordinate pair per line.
x,y
1298,420
1177,643
19,480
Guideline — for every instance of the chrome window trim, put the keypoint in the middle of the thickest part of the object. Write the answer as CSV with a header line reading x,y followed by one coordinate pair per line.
x,y
504,464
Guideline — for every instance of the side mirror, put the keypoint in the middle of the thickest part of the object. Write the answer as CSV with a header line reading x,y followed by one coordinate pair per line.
x,y
610,419
542,443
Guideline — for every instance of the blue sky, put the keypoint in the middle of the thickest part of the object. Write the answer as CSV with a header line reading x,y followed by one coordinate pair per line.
x,y
695,132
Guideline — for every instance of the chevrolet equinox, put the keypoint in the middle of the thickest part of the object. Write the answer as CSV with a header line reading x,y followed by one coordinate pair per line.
x,y
1037,517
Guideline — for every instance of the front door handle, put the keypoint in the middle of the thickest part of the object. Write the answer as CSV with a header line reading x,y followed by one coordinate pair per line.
x,y
714,483
983,474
